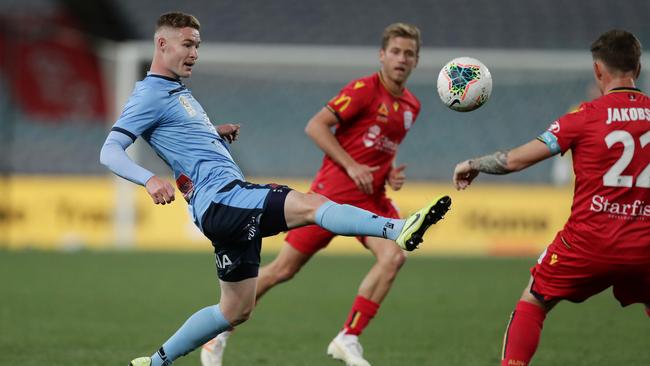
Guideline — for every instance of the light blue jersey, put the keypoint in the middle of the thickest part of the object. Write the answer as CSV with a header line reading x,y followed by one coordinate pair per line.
x,y
165,114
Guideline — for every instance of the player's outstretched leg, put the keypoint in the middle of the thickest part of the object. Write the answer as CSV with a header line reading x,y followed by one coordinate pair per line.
x,y
418,223
304,209
141,361
346,347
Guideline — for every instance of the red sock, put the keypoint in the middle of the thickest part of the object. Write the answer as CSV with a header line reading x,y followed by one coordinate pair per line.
x,y
647,310
522,336
362,311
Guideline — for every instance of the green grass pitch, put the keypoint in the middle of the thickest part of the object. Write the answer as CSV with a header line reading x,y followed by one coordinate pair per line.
x,y
105,308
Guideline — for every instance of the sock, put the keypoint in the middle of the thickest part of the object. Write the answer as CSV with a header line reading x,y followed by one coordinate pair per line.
x,y
523,333
363,310
647,310
352,221
199,328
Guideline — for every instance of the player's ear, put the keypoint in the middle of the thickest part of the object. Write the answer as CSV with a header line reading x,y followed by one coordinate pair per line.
x,y
638,71
162,43
597,71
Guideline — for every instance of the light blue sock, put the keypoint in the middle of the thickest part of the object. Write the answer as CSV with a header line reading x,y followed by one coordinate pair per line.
x,y
199,328
352,221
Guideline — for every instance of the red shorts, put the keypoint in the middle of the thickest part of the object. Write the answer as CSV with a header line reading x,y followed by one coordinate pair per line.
x,y
310,239
560,274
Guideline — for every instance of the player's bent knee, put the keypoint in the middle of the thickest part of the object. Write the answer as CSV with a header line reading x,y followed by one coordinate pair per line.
x,y
300,208
280,272
285,274
242,316
315,200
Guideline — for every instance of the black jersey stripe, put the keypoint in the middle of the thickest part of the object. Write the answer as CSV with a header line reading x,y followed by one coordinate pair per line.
x,y
128,133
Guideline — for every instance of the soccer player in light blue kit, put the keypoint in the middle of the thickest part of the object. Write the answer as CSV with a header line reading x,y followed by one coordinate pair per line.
x,y
234,214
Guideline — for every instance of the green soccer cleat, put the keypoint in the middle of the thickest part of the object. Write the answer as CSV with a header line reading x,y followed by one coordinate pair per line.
x,y
141,361
418,223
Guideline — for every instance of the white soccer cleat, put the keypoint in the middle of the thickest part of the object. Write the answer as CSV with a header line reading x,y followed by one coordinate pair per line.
x,y
346,347
212,352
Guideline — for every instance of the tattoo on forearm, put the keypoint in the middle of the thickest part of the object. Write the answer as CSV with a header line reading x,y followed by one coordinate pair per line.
x,y
492,164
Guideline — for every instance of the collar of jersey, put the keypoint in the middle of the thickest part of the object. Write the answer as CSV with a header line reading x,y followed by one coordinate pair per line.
x,y
383,83
624,89
165,78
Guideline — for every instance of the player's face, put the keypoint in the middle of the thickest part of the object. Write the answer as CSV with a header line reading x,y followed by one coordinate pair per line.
x,y
398,59
180,51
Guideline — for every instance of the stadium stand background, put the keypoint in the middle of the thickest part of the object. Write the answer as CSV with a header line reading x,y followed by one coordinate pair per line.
x,y
274,113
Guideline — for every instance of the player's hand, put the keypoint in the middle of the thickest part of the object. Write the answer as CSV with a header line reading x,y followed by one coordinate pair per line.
x,y
464,175
396,177
229,131
361,175
160,190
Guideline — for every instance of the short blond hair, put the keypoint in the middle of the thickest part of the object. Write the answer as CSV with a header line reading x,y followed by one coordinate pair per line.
x,y
403,30
177,19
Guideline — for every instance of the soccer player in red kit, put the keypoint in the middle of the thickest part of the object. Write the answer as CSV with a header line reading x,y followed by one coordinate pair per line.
x,y
372,116
606,240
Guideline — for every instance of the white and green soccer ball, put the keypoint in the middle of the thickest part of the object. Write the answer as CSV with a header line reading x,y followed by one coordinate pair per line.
x,y
464,84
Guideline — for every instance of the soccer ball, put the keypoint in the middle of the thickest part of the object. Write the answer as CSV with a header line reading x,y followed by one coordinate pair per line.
x,y
464,84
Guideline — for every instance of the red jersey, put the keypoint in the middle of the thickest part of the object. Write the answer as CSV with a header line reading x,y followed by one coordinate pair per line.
x,y
609,138
372,124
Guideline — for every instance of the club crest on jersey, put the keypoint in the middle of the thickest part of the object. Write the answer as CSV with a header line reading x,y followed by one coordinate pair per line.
x,y
408,120
187,105
554,127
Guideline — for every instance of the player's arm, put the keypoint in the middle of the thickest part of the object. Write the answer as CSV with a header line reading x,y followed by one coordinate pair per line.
x,y
501,162
113,155
396,176
319,129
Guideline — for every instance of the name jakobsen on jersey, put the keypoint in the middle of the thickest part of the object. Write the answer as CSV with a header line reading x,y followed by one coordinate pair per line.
x,y
627,114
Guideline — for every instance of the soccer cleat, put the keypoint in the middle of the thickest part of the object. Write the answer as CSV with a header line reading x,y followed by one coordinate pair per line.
x,y
141,361
212,352
346,347
418,223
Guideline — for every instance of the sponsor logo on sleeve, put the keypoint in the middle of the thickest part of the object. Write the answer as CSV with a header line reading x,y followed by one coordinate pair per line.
x,y
342,102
